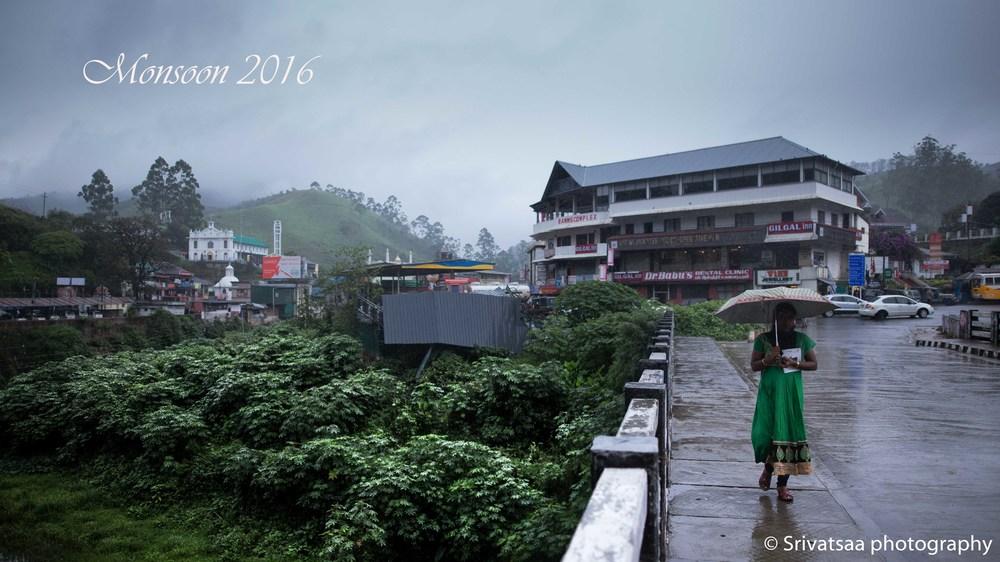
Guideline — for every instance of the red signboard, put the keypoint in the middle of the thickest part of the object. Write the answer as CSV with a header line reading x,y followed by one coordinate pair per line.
x,y
796,227
548,290
934,265
586,248
700,276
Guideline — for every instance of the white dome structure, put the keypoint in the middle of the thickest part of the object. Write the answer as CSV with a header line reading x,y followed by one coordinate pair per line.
x,y
224,288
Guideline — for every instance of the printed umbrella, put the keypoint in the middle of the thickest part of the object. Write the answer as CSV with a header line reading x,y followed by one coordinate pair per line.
x,y
757,306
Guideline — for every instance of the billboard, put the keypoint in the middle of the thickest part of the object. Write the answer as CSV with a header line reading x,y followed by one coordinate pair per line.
x,y
856,270
282,267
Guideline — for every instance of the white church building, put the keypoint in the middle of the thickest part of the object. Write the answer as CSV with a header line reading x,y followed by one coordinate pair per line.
x,y
222,245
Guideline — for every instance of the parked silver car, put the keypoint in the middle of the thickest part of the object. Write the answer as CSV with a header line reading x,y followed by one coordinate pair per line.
x,y
895,306
846,304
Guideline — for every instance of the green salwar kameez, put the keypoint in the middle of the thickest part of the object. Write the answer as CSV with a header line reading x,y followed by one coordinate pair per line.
x,y
779,429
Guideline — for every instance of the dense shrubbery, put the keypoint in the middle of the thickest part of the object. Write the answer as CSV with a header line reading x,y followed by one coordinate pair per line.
x,y
482,458
588,300
700,320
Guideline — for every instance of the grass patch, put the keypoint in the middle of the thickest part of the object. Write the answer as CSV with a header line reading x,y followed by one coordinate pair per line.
x,y
59,516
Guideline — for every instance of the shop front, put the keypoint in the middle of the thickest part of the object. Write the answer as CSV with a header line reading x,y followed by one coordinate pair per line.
x,y
686,287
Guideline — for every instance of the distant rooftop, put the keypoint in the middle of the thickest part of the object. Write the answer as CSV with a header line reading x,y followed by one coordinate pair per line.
x,y
248,240
774,149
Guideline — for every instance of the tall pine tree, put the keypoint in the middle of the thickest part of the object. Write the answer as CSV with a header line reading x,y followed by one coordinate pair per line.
x,y
100,196
169,195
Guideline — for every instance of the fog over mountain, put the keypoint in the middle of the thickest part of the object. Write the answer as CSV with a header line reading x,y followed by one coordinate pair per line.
x,y
460,109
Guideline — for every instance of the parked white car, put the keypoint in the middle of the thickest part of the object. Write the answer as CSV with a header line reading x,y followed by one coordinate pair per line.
x,y
895,306
846,304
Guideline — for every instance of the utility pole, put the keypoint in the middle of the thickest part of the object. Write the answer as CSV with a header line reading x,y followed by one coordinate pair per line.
x,y
45,196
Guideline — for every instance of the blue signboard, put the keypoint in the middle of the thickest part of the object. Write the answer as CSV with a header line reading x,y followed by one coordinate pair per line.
x,y
856,270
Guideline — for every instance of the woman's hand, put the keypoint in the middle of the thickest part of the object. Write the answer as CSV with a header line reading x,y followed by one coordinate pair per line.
x,y
773,357
790,363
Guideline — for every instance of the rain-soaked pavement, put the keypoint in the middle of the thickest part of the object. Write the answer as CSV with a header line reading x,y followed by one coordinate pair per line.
x,y
906,440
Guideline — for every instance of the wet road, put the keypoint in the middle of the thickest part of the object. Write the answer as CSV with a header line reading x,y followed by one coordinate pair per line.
x,y
912,433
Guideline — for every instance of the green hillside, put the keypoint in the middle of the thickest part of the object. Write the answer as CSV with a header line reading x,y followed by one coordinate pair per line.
x,y
316,223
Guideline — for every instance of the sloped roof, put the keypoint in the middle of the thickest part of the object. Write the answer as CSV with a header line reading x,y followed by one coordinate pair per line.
x,y
248,240
774,149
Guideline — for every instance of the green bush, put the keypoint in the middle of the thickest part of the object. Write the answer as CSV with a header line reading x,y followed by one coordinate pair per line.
x,y
289,433
588,300
700,320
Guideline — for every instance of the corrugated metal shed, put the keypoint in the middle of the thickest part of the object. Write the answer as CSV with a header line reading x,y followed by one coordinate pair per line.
x,y
467,320
74,301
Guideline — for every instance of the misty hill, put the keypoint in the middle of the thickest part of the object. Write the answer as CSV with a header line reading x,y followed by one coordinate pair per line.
x,y
33,203
315,223
926,211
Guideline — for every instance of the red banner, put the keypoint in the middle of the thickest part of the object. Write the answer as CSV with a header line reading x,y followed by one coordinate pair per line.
x,y
586,248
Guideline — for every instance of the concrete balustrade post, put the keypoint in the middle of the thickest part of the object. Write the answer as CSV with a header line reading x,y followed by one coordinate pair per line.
x,y
634,452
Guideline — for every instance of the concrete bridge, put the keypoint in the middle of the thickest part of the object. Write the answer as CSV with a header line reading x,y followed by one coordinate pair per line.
x,y
678,481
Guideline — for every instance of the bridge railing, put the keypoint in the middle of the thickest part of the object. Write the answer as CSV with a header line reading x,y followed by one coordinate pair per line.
x,y
625,518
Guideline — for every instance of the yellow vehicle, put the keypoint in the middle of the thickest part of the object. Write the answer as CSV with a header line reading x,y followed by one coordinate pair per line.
x,y
986,286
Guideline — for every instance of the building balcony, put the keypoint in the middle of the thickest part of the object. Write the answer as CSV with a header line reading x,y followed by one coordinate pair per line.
x,y
735,198
804,231
579,251
577,220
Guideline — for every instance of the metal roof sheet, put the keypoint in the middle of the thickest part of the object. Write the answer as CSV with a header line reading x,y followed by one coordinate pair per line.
x,y
774,149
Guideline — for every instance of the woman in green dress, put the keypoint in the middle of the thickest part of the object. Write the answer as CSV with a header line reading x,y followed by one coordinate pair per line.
x,y
779,430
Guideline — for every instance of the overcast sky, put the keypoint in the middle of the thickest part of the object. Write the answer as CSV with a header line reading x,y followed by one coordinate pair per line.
x,y
460,109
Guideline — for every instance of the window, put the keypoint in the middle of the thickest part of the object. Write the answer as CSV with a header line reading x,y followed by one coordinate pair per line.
x,y
585,238
698,183
663,187
630,192
708,256
819,258
821,217
834,181
550,243
211,245
780,172
609,231
787,216
630,228
647,227
846,220
671,225
196,244
584,203
602,203
225,243
706,222
744,219
564,241
737,178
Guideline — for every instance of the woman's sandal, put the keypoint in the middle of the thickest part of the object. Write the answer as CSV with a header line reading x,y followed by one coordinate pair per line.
x,y
765,480
784,495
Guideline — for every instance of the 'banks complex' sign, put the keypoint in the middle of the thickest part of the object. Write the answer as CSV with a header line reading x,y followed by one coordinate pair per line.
x,y
699,276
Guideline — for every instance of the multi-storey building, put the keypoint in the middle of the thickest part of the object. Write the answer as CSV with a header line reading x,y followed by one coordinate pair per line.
x,y
701,224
